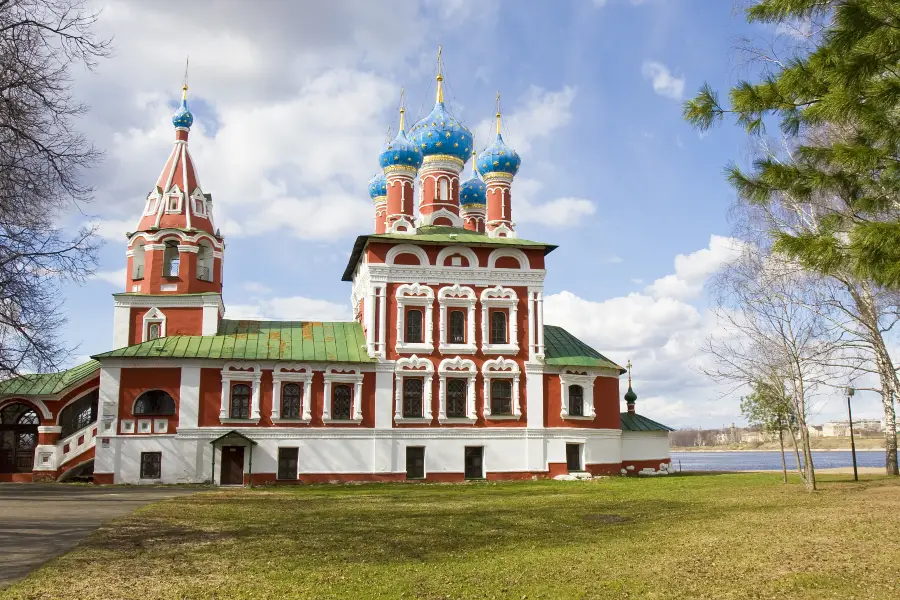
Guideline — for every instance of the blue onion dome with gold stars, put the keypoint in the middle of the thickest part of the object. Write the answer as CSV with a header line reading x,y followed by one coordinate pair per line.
x,y
378,186
441,133
472,190
183,116
400,151
499,158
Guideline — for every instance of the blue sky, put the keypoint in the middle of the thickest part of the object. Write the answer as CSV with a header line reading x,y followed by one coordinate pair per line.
x,y
292,102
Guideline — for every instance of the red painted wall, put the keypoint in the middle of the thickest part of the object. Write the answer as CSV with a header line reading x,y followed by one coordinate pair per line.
x,y
136,381
606,404
179,321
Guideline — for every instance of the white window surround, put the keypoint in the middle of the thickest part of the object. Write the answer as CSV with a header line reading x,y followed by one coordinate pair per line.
x,y
430,218
160,425
457,296
174,193
501,368
292,373
403,224
498,231
145,425
413,367
127,426
152,204
342,374
457,368
198,201
514,253
461,250
240,371
499,298
399,249
586,381
154,315
410,295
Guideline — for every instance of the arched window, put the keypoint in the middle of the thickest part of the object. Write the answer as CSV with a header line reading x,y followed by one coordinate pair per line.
x,y
443,188
205,261
457,327
137,262
576,401
171,259
79,414
501,397
414,326
456,398
290,401
498,327
412,397
240,401
153,331
18,438
154,403
341,400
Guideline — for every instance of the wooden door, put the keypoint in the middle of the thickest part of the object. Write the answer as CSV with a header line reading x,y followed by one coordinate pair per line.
x,y
415,462
474,465
573,457
232,465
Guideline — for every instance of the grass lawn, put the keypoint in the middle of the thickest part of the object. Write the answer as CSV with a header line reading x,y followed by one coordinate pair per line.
x,y
710,536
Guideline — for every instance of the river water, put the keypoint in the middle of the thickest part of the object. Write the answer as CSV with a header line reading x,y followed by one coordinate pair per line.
x,y
753,461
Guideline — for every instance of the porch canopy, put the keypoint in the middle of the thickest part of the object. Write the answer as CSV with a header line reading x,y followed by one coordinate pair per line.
x,y
233,438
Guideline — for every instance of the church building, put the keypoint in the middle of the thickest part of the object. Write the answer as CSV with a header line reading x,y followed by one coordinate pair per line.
x,y
447,371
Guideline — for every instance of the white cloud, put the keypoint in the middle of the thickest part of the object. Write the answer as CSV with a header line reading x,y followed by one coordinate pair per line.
x,y
116,278
295,308
114,230
559,212
537,115
254,287
664,83
692,270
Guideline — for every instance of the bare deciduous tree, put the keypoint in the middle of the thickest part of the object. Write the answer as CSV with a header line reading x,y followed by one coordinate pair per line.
x,y
42,159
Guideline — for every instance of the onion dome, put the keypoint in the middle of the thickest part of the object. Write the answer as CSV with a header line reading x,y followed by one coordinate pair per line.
x,y
473,190
441,133
630,396
183,116
378,186
498,157
400,151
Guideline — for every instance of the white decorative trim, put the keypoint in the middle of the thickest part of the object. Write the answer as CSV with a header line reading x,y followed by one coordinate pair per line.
x,y
198,199
569,377
182,235
407,249
173,194
457,368
405,433
160,425
402,224
152,204
500,297
414,294
343,374
181,301
39,404
455,220
127,425
413,366
243,371
501,368
292,373
500,231
457,295
182,248
462,250
151,317
515,253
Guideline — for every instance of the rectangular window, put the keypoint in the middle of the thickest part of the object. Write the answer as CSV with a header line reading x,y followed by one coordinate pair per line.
x,y
501,397
415,462
151,465
287,463
573,457
414,326
474,465
457,327
498,327
413,389
457,398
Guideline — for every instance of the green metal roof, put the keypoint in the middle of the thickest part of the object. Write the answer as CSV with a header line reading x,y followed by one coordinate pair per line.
x,y
438,235
47,384
260,340
636,422
563,349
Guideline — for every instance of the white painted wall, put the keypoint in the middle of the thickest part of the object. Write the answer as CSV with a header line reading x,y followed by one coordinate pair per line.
x,y
645,445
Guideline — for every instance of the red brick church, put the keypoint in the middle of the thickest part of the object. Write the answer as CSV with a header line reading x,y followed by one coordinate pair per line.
x,y
447,372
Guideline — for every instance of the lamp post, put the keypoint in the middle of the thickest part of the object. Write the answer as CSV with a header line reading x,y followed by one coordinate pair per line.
x,y
850,393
